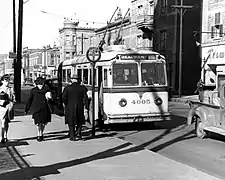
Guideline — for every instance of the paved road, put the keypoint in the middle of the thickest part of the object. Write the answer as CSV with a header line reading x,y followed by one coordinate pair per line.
x,y
177,141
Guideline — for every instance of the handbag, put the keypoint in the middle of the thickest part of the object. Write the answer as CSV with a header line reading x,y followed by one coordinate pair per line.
x,y
4,99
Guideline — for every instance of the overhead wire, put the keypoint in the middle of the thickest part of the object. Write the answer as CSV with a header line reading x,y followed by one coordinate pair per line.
x,y
11,20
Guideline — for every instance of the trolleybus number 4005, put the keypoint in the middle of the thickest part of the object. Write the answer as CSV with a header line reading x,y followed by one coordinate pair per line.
x,y
144,101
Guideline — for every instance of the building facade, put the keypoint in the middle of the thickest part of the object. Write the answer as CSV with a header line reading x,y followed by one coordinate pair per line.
x,y
40,62
213,40
74,40
167,42
134,29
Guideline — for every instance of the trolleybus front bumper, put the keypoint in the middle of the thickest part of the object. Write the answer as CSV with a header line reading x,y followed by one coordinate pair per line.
x,y
132,118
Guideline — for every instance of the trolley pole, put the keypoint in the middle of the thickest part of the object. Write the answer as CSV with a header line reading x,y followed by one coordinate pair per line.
x,y
18,64
181,9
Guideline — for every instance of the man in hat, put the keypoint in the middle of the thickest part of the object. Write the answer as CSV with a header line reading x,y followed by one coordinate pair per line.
x,y
75,99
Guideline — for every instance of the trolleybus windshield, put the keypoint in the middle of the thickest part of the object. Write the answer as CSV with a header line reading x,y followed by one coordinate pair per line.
x,y
125,74
153,74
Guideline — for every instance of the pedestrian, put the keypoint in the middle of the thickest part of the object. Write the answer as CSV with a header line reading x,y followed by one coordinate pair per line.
x,y
39,106
7,100
75,100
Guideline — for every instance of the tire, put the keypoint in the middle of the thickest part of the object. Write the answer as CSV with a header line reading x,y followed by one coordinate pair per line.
x,y
200,132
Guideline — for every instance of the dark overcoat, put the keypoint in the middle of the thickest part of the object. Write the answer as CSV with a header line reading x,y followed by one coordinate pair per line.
x,y
75,98
38,105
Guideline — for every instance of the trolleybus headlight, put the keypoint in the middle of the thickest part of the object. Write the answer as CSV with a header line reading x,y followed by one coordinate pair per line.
x,y
123,102
158,101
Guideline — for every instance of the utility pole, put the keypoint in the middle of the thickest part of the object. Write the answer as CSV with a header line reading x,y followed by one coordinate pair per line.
x,y
14,33
82,43
45,49
17,65
182,8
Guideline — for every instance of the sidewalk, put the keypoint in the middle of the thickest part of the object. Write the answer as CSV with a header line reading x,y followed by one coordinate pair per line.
x,y
101,158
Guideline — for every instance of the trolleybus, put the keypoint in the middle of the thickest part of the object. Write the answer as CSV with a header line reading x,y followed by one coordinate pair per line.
x,y
130,84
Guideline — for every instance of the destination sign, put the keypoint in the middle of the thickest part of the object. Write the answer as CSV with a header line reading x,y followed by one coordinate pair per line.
x,y
138,57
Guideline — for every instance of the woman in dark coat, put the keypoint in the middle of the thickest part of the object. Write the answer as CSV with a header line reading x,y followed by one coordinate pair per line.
x,y
75,98
38,104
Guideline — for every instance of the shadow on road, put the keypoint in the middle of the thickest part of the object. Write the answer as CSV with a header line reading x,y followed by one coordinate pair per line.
x,y
176,123
186,136
57,135
13,143
216,137
19,109
10,159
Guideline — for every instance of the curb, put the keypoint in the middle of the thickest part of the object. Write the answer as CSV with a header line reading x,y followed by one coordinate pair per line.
x,y
184,99
180,100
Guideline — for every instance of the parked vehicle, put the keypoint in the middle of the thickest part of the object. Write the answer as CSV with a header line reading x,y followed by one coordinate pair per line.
x,y
209,115
52,83
28,82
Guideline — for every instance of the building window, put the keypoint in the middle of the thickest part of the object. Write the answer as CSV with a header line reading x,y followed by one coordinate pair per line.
x,y
140,10
52,60
163,7
39,59
163,37
217,29
139,41
67,55
74,42
67,39
73,54
217,18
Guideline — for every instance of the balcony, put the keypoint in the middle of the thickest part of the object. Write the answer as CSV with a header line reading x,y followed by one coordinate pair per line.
x,y
145,24
144,21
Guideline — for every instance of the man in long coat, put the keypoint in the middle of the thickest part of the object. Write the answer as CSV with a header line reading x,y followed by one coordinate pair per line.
x,y
75,99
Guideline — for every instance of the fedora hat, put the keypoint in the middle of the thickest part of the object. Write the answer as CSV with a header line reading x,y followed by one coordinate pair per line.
x,y
74,76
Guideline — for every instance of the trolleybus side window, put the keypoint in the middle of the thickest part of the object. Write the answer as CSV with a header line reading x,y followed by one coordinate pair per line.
x,y
64,75
125,74
85,76
153,74
68,75
105,80
79,73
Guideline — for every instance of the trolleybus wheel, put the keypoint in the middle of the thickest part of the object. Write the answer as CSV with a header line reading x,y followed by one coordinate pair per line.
x,y
199,130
